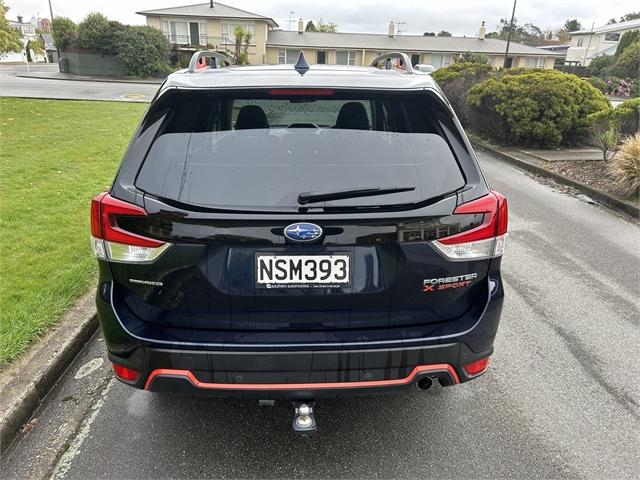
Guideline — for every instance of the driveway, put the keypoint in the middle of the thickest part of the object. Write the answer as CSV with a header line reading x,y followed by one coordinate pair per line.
x,y
561,397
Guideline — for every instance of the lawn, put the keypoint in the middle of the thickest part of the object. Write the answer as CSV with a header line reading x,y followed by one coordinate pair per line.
x,y
55,155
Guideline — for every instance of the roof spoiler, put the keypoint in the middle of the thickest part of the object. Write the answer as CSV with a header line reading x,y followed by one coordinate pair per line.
x,y
212,60
402,62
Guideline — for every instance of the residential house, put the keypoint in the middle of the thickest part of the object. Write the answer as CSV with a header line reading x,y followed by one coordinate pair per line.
x,y
595,42
362,48
212,25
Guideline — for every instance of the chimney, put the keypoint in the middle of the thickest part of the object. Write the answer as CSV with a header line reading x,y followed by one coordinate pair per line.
x,y
300,25
210,3
482,32
19,18
392,29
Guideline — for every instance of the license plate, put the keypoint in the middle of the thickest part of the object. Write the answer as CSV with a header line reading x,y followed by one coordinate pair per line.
x,y
300,271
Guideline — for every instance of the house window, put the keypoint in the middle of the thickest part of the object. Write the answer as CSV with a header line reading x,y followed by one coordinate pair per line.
x,y
176,32
345,57
229,31
415,59
439,60
288,56
579,42
611,37
531,62
542,62
321,57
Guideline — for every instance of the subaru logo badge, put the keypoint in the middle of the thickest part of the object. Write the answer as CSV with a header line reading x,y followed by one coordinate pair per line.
x,y
303,232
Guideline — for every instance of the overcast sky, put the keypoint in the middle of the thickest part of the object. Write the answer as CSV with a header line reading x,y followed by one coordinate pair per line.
x,y
461,17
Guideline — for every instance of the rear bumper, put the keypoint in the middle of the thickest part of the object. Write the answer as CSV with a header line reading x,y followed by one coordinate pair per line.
x,y
297,375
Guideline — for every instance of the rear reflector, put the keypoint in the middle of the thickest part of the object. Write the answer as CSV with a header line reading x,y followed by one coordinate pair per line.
x,y
112,243
125,373
477,367
484,241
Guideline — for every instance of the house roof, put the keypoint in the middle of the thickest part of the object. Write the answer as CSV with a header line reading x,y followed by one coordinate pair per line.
x,y
613,27
219,10
405,43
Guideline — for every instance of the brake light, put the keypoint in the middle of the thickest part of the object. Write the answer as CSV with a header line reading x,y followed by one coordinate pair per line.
x,y
125,373
307,92
484,241
476,368
112,243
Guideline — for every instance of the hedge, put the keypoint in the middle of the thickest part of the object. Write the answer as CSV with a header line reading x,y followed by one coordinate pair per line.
x,y
535,107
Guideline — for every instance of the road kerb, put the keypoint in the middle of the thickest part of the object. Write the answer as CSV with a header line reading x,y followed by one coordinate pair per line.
x,y
598,195
25,383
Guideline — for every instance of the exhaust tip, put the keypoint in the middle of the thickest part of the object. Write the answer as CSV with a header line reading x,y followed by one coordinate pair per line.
x,y
424,384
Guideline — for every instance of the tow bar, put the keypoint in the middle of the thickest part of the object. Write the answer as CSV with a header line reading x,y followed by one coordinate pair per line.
x,y
303,418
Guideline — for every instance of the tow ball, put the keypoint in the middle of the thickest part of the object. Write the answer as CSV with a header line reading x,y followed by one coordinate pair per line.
x,y
303,419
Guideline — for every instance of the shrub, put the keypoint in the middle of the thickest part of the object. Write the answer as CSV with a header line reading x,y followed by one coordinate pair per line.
x,y
92,31
625,166
627,39
598,83
628,64
456,80
607,141
628,116
537,107
143,50
622,89
599,65
468,57
64,32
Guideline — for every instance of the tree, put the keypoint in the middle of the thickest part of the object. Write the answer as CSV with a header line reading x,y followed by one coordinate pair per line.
x,y
9,36
429,34
310,27
630,16
529,34
327,27
144,51
627,39
469,57
444,33
92,31
64,32
572,25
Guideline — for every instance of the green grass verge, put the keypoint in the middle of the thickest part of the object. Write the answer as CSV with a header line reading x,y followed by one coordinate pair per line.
x,y
55,155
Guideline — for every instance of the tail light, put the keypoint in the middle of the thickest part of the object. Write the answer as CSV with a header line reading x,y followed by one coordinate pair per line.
x,y
112,243
484,241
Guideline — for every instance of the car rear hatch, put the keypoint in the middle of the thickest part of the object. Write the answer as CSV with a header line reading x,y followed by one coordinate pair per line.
x,y
275,218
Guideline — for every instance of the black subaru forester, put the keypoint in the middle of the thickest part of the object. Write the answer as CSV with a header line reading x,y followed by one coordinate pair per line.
x,y
298,232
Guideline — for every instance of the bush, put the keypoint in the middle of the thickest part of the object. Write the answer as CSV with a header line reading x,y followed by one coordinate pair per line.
x,y
537,107
626,40
628,64
456,80
625,166
92,31
468,57
64,32
627,115
599,84
143,50
599,65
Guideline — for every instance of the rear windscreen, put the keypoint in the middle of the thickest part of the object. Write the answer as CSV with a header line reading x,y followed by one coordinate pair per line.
x,y
262,151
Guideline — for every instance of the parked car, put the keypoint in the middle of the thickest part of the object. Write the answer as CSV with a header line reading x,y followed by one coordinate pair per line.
x,y
298,232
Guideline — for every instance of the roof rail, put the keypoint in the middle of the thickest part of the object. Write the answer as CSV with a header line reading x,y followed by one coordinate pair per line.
x,y
403,61
215,60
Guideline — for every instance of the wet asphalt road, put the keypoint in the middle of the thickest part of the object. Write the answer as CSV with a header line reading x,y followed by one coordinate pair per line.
x,y
561,397
12,85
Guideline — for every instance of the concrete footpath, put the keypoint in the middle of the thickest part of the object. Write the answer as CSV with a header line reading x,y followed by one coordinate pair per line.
x,y
537,161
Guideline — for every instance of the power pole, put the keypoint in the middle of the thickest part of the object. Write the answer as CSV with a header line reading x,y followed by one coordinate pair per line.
x,y
51,28
506,53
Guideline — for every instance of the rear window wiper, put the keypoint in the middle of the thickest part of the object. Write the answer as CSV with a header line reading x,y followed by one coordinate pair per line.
x,y
313,197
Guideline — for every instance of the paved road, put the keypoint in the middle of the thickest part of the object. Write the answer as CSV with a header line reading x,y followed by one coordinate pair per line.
x,y
14,86
561,398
